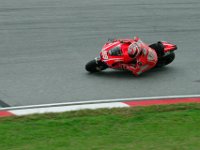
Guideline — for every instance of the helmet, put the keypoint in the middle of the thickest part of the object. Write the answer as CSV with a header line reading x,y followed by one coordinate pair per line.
x,y
134,50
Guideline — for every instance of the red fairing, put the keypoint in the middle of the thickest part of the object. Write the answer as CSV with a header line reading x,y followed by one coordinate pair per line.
x,y
110,59
168,46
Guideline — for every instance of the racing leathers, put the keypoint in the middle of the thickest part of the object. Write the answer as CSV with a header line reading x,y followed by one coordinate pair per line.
x,y
145,60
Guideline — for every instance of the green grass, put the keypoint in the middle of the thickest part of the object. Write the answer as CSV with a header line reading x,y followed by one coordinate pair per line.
x,y
172,127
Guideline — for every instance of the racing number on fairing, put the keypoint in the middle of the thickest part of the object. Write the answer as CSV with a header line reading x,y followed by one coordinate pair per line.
x,y
104,55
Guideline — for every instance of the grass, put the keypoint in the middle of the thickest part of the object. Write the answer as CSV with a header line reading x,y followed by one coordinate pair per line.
x,y
172,127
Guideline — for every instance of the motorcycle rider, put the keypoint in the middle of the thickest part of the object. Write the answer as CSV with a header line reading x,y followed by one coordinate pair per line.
x,y
142,57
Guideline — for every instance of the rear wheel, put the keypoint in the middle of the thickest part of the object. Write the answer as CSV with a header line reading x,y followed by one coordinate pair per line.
x,y
95,66
169,58
165,60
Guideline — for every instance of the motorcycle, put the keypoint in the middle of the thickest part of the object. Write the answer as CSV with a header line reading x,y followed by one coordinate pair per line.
x,y
115,51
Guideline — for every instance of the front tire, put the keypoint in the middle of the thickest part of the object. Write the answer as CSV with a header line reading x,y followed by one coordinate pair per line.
x,y
95,66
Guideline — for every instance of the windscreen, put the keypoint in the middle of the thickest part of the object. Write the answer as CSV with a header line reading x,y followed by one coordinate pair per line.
x,y
116,51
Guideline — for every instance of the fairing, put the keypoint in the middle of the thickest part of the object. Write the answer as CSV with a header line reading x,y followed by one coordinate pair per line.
x,y
115,52
168,46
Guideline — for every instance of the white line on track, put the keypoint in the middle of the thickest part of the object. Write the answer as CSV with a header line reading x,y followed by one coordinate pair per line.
x,y
98,101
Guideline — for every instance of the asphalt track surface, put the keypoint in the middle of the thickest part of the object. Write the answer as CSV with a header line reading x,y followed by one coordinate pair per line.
x,y
45,44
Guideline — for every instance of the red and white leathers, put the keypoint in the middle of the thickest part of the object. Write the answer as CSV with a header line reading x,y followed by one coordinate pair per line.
x,y
145,60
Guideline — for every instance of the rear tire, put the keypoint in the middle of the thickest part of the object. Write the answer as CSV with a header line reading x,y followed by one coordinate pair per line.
x,y
169,58
166,60
95,66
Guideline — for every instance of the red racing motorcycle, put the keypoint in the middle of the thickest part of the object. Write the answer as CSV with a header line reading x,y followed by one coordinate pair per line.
x,y
115,51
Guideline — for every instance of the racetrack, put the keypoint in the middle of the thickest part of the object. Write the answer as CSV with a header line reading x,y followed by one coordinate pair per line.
x,y
45,44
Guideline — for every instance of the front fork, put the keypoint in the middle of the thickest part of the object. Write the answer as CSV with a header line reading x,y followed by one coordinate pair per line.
x,y
101,65
97,59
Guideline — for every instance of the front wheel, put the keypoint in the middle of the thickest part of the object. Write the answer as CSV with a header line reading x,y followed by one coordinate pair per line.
x,y
95,66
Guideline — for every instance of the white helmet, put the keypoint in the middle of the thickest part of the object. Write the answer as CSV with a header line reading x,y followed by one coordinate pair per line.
x,y
134,50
